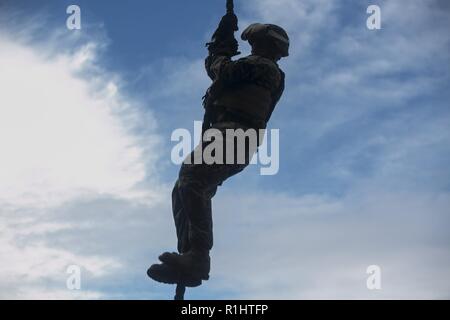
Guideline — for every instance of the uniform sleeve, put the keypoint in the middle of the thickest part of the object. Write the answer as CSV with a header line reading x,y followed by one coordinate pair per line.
x,y
214,65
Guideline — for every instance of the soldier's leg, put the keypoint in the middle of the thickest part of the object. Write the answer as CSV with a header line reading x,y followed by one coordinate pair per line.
x,y
188,194
195,188
198,183
193,268
195,193
181,220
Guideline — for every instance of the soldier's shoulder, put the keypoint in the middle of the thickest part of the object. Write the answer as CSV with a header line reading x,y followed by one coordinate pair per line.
x,y
255,59
260,63
261,70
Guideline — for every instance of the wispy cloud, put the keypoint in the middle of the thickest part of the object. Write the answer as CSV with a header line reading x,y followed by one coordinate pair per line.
x,y
62,136
69,134
318,247
365,133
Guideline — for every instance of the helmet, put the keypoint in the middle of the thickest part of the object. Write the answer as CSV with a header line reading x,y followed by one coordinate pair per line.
x,y
274,34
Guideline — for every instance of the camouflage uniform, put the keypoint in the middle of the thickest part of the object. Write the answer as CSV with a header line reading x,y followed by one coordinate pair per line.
x,y
249,90
243,95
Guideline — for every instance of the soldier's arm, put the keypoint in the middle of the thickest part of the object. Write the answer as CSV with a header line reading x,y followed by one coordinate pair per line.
x,y
215,64
224,45
220,58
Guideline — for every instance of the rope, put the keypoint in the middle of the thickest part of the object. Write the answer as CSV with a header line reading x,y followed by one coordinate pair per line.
x,y
230,6
181,289
179,292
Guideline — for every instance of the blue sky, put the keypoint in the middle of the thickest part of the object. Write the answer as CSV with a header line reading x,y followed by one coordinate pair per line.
x,y
86,173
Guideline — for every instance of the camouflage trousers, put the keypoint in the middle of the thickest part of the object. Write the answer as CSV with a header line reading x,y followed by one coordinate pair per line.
x,y
192,199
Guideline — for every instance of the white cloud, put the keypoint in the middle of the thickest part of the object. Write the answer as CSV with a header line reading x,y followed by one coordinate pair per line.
x,y
276,246
341,77
67,134
36,294
61,135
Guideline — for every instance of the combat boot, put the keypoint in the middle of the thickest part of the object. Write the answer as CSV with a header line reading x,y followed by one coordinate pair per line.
x,y
195,264
170,275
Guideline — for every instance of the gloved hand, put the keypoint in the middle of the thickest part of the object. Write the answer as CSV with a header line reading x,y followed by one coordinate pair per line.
x,y
223,41
229,22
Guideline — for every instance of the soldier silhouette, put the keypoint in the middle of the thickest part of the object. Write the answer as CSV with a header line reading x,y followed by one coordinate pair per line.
x,y
243,95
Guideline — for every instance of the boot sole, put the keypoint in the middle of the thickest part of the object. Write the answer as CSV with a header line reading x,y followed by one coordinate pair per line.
x,y
167,259
169,275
